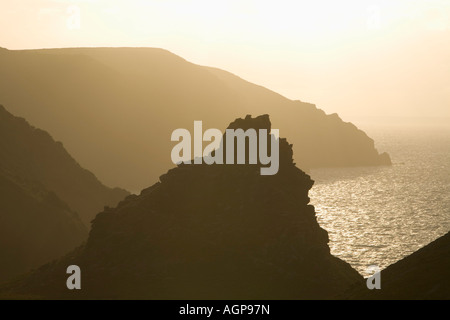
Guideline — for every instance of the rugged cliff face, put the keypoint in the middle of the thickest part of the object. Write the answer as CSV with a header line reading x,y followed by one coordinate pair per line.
x,y
115,109
205,232
424,275
31,154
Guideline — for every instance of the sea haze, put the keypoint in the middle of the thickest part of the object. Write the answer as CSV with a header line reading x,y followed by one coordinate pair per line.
x,y
379,215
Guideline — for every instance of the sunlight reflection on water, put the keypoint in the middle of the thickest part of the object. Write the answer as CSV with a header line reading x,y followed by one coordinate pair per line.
x,y
379,215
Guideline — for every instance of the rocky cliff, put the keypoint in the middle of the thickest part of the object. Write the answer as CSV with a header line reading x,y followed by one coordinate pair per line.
x,y
115,109
205,232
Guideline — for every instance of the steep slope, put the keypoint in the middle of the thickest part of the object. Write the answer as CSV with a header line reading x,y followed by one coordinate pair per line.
x,y
31,154
35,227
205,232
425,274
115,109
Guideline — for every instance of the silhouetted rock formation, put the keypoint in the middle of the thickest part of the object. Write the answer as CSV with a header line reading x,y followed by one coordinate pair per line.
x,y
31,154
115,109
261,122
205,232
425,274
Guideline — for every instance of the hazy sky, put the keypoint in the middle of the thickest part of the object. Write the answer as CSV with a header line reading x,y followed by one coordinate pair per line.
x,y
367,60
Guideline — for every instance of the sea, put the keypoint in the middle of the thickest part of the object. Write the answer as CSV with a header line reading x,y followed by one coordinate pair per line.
x,y
375,216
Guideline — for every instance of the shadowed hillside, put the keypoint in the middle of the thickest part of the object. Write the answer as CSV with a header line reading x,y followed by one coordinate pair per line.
x,y
205,232
31,154
35,227
115,109
46,199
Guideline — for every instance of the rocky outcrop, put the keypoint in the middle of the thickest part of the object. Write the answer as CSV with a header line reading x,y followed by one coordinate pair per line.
x,y
115,109
205,232
424,275
31,154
